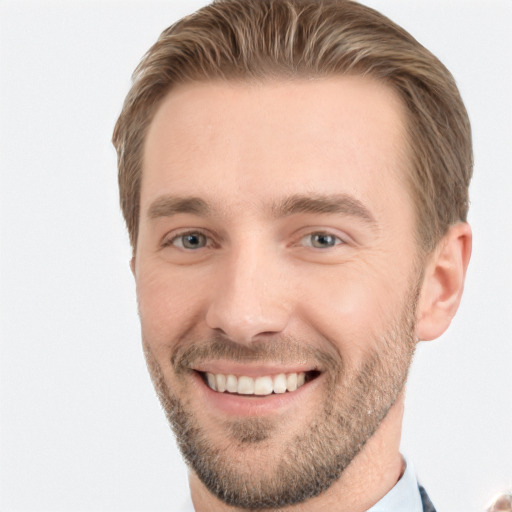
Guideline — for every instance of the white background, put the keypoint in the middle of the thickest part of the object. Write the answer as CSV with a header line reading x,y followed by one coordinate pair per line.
x,y
80,426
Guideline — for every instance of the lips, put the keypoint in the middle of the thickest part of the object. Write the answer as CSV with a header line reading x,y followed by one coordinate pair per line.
x,y
260,388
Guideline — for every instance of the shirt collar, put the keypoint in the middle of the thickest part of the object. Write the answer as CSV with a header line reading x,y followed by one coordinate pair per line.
x,y
403,497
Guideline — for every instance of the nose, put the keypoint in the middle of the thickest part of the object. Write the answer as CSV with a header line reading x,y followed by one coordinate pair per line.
x,y
250,299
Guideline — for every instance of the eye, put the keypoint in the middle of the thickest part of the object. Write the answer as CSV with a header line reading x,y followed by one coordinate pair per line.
x,y
321,240
189,241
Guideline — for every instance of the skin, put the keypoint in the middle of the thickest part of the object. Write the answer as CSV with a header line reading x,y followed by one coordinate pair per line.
x,y
244,150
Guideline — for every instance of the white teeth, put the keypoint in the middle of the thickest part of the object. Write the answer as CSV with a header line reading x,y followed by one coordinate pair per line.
x,y
220,380
245,386
231,383
280,383
291,382
261,386
211,381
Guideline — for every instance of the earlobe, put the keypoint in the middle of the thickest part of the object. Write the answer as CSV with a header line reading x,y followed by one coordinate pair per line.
x,y
132,265
443,282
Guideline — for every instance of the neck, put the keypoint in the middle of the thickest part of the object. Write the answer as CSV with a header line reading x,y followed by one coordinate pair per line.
x,y
368,478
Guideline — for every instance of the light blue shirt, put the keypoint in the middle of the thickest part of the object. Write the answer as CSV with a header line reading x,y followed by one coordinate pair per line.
x,y
404,497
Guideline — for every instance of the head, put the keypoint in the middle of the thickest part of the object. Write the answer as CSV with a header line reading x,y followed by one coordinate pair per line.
x,y
294,178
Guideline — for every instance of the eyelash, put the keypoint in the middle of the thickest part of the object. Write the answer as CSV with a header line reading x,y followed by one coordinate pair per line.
x,y
170,241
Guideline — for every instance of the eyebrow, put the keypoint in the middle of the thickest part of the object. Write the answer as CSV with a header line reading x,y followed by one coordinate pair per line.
x,y
324,204
167,206
344,204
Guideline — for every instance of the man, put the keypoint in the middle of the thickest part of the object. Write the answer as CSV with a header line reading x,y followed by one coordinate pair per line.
x,y
294,176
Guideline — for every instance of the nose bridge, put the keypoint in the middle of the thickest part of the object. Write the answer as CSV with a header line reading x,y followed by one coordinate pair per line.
x,y
249,299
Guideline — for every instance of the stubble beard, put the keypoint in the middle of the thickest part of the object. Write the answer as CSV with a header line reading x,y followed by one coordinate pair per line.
x,y
354,405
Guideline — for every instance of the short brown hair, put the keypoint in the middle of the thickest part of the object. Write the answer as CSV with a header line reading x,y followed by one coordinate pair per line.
x,y
255,40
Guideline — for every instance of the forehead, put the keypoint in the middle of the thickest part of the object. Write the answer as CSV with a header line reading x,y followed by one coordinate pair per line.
x,y
252,142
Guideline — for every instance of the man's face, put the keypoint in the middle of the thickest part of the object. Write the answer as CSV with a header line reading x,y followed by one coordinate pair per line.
x,y
276,245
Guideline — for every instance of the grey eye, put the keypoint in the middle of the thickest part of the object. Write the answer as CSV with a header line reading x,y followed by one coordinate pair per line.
x,y
191,241
321,240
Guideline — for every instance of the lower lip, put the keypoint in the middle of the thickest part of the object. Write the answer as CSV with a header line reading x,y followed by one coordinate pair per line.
x,y
239,405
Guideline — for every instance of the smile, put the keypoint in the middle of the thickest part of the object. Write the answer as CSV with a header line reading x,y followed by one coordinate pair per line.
x,y
258,386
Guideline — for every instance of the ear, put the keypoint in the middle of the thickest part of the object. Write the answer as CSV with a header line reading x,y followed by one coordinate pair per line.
x,y
443,282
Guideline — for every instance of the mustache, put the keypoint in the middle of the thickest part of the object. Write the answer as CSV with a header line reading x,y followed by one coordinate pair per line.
x,y
281,350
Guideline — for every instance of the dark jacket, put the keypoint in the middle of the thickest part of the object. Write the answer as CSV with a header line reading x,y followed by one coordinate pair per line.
x,y
427,504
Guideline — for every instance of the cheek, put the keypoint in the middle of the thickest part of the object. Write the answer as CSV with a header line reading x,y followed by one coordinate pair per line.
x,y
170,303
352,308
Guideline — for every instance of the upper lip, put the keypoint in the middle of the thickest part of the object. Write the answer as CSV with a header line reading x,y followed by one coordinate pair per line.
x,y
250,370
